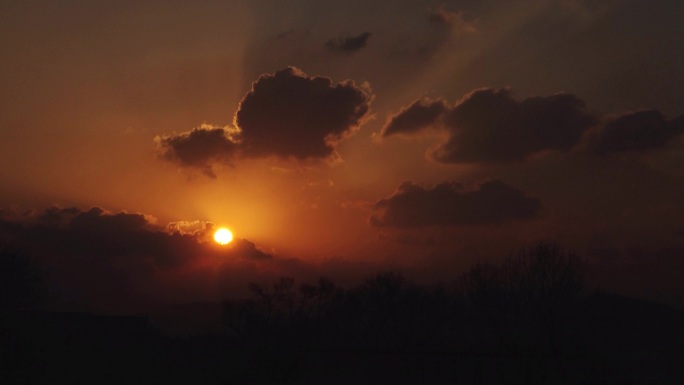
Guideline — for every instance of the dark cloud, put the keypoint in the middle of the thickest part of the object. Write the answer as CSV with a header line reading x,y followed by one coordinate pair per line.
x,y
489,126
348,44
286,114
419,115
105,259
289,114
636,131
451,204
199,147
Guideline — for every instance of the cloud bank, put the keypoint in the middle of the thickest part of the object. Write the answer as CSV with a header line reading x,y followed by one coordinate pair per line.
x,y
489,126
116,260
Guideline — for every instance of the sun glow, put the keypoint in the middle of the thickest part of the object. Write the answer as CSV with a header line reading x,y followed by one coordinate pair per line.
x,y
223,236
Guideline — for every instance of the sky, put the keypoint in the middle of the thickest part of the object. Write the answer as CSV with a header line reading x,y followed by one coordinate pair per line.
x,y
338,138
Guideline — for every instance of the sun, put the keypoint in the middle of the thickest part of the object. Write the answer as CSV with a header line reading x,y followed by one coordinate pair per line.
x,y
223,236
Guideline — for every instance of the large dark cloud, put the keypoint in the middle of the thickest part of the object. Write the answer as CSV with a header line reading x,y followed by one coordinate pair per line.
x,y
109,260
488,126
286,114
289,114
451,204
348,44
636,131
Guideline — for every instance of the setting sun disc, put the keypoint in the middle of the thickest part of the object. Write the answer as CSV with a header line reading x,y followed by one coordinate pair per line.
x,y
223,236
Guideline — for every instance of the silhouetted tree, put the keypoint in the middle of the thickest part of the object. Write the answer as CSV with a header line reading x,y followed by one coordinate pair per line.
x,y
489,304
547,281
526,298
318,303
372,310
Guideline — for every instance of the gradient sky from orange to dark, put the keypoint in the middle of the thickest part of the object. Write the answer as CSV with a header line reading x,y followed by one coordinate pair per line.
x,y
341,137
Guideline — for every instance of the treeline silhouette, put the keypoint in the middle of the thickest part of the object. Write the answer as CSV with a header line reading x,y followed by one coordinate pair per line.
x,y
528,308
530,319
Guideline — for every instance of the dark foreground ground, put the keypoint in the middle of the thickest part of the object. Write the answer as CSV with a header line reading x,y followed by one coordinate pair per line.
x,y
403,339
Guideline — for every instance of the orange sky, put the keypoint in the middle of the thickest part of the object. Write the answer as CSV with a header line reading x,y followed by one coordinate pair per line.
x,y
88,92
